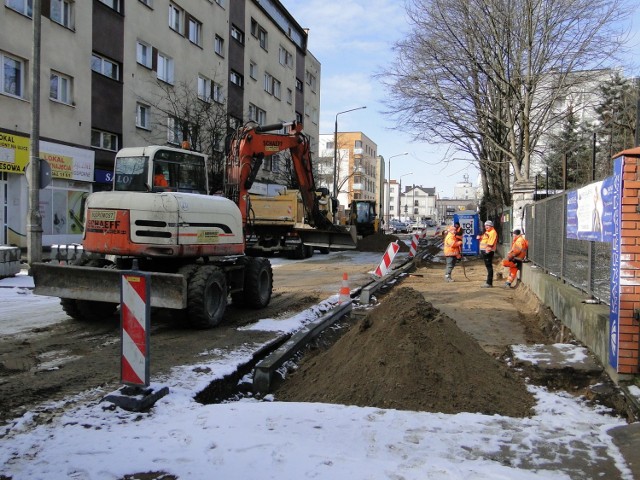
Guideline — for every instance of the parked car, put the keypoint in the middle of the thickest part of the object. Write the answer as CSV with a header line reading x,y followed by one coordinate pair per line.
x,y
398,227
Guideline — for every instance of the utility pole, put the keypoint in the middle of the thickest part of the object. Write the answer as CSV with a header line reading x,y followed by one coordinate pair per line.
x,y
34,220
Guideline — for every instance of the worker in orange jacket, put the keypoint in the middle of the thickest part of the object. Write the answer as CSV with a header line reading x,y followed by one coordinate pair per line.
x,y
488,245
452,252
516,256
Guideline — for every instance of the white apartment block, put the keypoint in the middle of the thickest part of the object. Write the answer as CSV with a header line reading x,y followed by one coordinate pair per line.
x,y
117,74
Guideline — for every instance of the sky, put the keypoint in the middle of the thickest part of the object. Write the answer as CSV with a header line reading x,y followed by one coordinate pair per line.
x,y
353,40
252,439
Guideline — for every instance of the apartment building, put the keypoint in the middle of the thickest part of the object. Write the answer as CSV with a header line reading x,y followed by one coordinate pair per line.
x,y
357,171
119,74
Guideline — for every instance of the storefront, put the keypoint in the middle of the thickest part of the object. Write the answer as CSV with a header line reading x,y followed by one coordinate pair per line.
x,y
61,203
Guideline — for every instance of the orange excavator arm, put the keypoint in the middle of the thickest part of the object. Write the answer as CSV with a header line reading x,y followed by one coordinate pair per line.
x,y
249,146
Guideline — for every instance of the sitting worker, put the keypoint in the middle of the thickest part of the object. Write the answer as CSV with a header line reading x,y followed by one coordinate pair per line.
x,y
159,180
516,256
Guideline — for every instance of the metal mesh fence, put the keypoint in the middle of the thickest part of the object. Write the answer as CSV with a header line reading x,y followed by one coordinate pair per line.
x,y
581,263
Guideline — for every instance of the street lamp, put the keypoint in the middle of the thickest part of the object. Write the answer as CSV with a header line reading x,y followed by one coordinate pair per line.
x,y
335,151
389,186
400,193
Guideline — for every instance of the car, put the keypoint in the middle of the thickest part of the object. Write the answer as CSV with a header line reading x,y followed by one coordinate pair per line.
x,y
398,227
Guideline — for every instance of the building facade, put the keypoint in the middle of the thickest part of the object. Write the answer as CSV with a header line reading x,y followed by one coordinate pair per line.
x,y
117,74
357,172
418,204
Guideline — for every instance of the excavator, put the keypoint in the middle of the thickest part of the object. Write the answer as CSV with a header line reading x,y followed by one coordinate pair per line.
x,y
190,244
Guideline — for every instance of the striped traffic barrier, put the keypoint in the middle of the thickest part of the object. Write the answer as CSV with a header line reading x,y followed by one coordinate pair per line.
x,y
387,259
413,248
135,322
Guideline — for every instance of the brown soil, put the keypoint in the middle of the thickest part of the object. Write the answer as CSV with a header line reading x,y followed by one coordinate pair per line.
x,y
407,355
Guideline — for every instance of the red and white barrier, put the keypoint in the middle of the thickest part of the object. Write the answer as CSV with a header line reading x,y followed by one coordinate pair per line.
x,y
413,248
135,320
345,292
387,259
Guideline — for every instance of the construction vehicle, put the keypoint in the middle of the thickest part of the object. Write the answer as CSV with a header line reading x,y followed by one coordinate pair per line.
x,y
279,223
362,214
189,243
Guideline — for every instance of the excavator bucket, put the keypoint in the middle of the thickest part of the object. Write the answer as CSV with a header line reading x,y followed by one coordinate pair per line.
x,y
335,239
168,290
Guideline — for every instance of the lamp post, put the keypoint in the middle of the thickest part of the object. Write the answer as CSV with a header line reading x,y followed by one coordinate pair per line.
x,y
400,192
389,186
335,151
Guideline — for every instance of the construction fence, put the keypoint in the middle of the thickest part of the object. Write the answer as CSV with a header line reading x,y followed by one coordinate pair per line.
x,y
586,265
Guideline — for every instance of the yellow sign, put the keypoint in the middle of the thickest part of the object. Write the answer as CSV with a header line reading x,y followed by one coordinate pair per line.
x,y
61,165
207,236
14,153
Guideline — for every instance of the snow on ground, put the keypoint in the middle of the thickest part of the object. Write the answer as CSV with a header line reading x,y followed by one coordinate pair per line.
x,y
252,439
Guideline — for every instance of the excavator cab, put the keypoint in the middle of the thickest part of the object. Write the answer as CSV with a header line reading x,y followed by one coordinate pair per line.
x,y
160,169
363,215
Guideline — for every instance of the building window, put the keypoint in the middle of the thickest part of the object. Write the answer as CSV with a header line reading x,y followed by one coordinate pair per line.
x,y
113,4
165,68
204,89
257,114
195,31
104,140
285,57
277,87
218,45
175,18
143,116
12,73
220,2
62,12
311,80
217,93
358,144
263,38
237,34
254,28
104,66
143,54
174,135
299,85
60,88
289,96
268,83
329,146
25,7
236,78
148,3
253,70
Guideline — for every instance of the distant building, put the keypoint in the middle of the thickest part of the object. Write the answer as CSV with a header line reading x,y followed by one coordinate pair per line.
x,y
464,190
418,204
358,167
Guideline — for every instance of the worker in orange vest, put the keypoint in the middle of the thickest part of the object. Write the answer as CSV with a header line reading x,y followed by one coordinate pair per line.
x,y
159,180
452,252
516,256
488,245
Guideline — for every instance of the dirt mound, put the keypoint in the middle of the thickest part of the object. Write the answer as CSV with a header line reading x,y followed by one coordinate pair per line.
x,y
379,243
407,355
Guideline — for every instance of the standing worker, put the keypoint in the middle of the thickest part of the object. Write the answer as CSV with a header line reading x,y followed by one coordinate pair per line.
x,y
488,244
516,256
452,252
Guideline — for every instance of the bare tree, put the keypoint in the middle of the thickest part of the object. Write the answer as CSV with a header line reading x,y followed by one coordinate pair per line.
x,y
483,75
188,116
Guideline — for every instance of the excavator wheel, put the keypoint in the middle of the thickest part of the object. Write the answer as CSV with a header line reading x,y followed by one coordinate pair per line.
x,y
88,310
206,296
258,284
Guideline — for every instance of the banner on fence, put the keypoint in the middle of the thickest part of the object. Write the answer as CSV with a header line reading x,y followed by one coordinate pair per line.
x,y
590,212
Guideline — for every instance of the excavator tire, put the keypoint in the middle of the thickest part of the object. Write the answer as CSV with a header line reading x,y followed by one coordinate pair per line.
x,y
87,310
258,284
206,297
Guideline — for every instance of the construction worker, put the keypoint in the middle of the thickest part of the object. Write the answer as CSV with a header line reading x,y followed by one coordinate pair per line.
x,y
516,256
452,252
159,180
488,244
